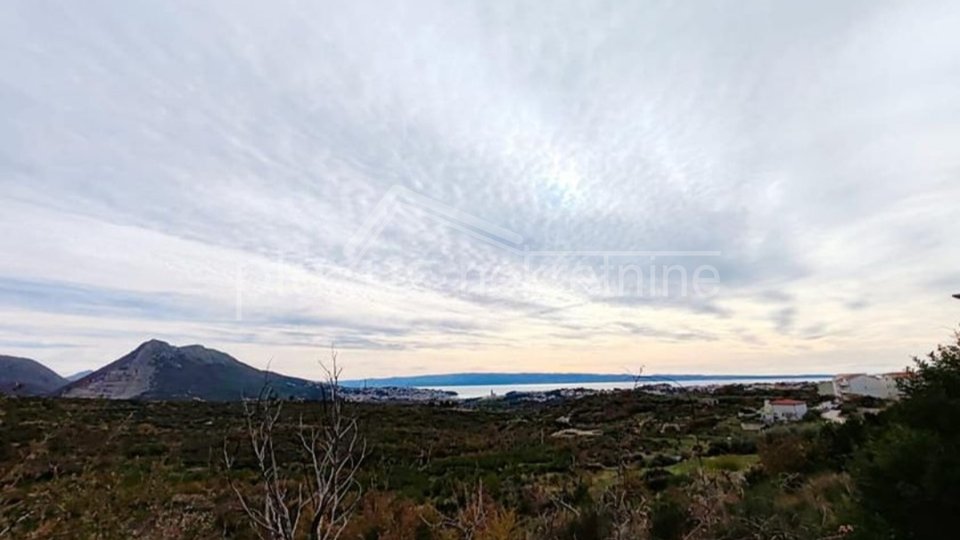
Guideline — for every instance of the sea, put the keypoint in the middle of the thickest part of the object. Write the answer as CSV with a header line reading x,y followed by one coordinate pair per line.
x,y
469,392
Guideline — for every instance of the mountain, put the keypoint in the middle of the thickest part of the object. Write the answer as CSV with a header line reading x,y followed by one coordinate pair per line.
x,y
494,379
25,377
157,370
79,375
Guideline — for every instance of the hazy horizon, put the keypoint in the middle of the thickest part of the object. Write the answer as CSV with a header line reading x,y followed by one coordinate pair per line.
x,y
740,187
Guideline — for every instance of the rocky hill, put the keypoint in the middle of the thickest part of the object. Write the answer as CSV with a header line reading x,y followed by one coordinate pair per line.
x,y
157,370
25,377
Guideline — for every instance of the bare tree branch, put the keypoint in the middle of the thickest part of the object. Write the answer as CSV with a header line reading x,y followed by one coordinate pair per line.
x,y
323,487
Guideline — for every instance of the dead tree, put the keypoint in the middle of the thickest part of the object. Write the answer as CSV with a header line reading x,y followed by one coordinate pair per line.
x,y
316,495
277,517
336,451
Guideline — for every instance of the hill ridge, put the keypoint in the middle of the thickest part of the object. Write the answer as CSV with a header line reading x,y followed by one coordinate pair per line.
x,y
157,370
27,377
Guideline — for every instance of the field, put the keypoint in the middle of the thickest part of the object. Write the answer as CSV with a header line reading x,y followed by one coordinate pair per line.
x,y
109,469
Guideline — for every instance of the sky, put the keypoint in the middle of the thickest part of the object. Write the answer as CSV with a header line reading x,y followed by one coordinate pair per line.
x,y
445,186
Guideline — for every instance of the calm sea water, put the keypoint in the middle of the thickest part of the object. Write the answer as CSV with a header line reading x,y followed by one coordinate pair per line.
x,y
467,392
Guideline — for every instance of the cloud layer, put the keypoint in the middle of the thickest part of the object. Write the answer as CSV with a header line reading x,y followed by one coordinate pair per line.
x,y
197,172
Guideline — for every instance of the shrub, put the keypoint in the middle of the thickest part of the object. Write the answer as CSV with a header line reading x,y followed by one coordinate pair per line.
x,y
909,469
669,517
785,452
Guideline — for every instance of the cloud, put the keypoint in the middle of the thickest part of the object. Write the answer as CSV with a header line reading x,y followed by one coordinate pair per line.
x,y
58,297
784,319
14,344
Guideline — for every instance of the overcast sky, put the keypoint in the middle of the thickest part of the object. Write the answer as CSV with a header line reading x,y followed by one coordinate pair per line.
x,y
266,178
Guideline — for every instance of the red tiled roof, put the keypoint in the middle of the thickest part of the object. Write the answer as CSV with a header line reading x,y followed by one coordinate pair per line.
x,y
787,402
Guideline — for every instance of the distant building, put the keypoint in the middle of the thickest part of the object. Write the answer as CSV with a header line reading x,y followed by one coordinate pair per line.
x,y
895,380
783,410
847,385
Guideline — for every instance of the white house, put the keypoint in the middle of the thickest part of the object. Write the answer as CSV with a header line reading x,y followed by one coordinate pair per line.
x,y
882,386
783,410
866,386
892,382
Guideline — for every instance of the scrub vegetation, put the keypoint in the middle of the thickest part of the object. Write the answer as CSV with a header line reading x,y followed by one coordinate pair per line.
x,y
629,464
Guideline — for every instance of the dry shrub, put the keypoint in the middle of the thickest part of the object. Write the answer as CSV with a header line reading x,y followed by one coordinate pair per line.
x,y
710,498
784,453
386,516
480,518
820,495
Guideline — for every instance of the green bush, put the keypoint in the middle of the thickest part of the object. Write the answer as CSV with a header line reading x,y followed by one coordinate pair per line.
x,y
909,469
669,517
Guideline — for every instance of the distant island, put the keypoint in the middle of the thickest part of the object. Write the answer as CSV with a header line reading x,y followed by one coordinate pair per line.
x,y
495,379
